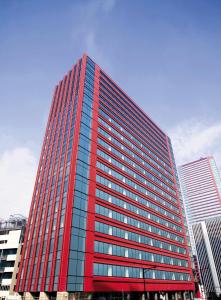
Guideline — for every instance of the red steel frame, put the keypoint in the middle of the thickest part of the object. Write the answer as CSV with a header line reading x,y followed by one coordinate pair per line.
x,y
95,283
68,215
60,202
34,204
89,256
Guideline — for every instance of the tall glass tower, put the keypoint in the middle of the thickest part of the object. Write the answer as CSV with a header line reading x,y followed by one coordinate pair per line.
x,y
105,215
201,185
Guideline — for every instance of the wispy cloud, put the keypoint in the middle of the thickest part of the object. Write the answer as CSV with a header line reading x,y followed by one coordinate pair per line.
x,y
85,34
17,174
196,138
107,5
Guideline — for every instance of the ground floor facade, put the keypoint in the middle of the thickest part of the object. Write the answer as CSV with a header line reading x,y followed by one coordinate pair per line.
x,y
156,295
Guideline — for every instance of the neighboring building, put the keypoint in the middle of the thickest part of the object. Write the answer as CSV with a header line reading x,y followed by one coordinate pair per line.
x,y
11,238
196,268
207,237
105,210
201,185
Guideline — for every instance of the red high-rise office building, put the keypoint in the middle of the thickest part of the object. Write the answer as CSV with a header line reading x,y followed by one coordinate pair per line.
x,y
105,215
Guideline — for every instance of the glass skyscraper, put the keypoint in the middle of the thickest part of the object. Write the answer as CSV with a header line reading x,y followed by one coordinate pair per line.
x,y
105,215
201,185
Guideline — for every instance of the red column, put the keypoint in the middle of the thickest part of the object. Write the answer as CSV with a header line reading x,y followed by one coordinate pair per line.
x,y
89,247
62,283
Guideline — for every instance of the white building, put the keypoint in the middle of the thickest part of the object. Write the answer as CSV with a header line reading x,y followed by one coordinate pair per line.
x,y
207,238
201,186
11,238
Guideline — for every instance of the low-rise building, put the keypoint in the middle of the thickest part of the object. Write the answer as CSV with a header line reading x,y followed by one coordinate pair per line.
x,y
11,239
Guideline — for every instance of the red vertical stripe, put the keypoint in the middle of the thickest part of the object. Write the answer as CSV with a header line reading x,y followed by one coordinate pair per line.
x,y
62,285
33,210
181,213
89,248
71,100
53,137
60,107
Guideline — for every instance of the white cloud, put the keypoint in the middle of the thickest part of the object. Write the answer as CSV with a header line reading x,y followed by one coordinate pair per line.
x,y
194,139
17,174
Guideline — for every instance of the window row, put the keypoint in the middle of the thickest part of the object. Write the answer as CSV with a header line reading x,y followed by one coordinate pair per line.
x,y
121,203
119,107
145,118
128,181
111,249
128,193
132,171
135,165
156,148
139,238
105,103
132,152
138,177
132,138
109,213
132,272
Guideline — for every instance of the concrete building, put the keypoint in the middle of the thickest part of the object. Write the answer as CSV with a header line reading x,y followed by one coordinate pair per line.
x,y
207,238
11,239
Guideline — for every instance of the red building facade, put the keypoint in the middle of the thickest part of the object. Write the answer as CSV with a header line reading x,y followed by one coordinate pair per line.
x,y
105,214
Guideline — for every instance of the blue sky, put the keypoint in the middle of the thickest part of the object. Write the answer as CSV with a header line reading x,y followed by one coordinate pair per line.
x,y
165,54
